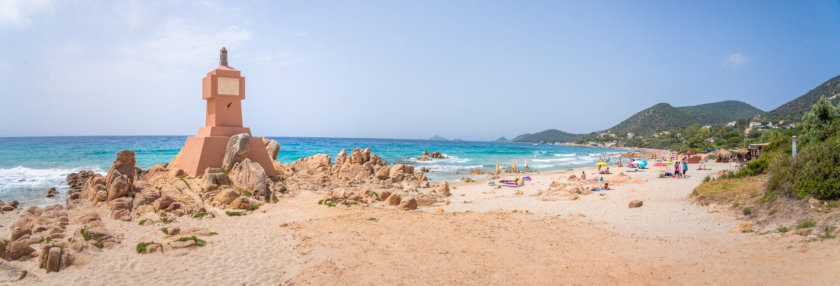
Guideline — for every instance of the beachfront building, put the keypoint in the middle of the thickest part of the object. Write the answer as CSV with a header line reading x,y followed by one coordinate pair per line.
x,y
223,89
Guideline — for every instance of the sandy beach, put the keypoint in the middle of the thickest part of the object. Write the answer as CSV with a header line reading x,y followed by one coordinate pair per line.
x,y
483,235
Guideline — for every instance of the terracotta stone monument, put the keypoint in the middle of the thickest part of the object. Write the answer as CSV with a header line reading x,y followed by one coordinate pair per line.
x,y
224,89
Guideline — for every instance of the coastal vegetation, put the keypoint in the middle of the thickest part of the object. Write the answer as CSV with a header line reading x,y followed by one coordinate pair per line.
x,y
780,182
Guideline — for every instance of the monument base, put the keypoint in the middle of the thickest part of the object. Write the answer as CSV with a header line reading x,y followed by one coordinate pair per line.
x,y
201,152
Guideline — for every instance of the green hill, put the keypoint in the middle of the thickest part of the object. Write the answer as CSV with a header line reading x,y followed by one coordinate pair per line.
x,y
794,109
663,116
548,136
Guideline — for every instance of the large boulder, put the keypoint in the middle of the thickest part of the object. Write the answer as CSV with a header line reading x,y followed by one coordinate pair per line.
x,y
272,147
398,171
226,196
249,176
120,178
356,157
443,189
383,172
238,148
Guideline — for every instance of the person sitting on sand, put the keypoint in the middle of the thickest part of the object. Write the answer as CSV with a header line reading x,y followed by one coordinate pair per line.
x,y
606,186
583,176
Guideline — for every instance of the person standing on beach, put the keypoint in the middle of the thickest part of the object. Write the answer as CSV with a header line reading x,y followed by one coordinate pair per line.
x,y
685,168
677,170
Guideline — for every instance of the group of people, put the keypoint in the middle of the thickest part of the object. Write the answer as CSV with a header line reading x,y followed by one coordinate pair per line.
x,y
680,169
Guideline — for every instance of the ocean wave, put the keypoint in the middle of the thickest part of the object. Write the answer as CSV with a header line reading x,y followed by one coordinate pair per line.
x,y
565,155
23,178
451,168
553,160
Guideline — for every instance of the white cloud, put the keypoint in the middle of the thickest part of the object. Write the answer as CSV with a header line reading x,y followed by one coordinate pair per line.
x,y
177,43
19,12
736,60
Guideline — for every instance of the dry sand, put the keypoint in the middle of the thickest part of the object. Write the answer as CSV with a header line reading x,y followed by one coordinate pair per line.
x,y
476,239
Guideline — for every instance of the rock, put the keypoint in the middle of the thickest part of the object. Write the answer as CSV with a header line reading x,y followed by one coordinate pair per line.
x,y
393,200
226,196
120,178
476,171
177,173
356,157
467,179
383,173
409,204
573,178
366,155
249,176
52,192
272,147
163,202
635,204
53,259
241,203
443,189
238,148
383,195
76,181
341,158
18,250
182,244
398,171
214,176
66,259
744,226
7,208
517,193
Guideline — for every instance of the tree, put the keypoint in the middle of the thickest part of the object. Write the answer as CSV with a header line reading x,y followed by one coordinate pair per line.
x,y
814,122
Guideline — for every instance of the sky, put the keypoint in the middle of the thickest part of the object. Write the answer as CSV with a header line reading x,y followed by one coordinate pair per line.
x,y
475,70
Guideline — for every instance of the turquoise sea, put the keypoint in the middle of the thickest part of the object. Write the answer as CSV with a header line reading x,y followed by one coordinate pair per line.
x,y
30,165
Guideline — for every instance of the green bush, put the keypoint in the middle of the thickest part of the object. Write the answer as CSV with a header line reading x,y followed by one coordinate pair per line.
x,y
813,172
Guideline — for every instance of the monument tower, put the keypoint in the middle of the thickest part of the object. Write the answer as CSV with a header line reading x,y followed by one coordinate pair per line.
x,y
224,89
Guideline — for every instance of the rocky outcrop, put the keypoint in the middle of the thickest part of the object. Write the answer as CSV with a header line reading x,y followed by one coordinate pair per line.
x,y
51,192
120,178
272,147
238,148
12,205
428,157
251,176
635,204
76,181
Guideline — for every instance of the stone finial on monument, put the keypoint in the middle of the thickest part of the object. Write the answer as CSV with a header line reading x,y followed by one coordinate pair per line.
x,y
223,58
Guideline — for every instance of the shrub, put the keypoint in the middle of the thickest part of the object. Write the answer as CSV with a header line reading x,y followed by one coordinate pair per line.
x,y
747,211
198,242
813,172
806,224
230,213
143,247
783,229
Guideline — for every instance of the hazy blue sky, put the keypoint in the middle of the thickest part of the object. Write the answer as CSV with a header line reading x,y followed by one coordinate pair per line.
x,y
401,69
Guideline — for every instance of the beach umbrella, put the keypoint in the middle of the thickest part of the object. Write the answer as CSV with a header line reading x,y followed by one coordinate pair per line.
x,y
526,164
668,162
514,166
660,164
498,170
601,164
642,163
